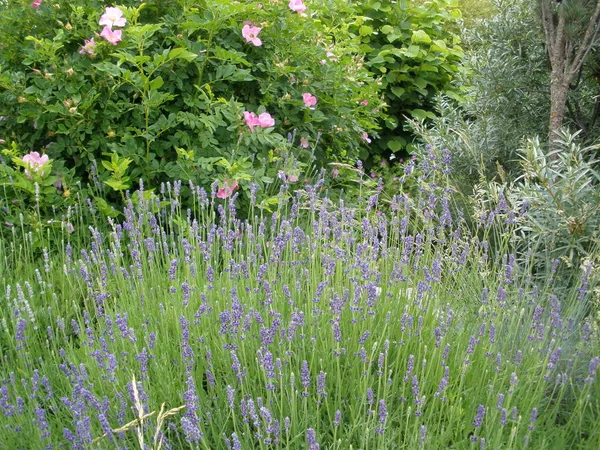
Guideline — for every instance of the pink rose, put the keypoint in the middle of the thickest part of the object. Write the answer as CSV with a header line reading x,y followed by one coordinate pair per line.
x,y
297,6
114,37
89,47
227,188
265,120
250,33
365,137
251,120
35,163
36,4
309,100
112,17
304,142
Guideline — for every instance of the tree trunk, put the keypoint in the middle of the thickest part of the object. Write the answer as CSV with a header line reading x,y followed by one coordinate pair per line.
x,y
559,91
567,55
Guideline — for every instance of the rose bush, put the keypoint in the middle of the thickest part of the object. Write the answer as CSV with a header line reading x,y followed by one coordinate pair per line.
x,y
158,90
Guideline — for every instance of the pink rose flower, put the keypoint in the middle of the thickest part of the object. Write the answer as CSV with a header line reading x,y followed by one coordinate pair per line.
x,y
227,188
250,33
114,37
364,102
251,120
304,142
309,100
365,137
297,6
35,162
112,17
265,120
36,4
88,47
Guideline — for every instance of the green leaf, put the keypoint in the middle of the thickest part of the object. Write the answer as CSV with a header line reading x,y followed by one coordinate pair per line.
x,y
398,91
396,144
421,83
109,68
117,185
428,68
420,36
182,53
412,51
365,30
421,114
157,83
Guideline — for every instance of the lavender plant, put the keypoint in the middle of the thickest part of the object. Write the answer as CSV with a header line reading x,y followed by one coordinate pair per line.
x,y
317,326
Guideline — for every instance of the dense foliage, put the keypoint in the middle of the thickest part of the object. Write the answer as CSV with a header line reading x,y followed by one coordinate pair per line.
x,y
415,52
168,97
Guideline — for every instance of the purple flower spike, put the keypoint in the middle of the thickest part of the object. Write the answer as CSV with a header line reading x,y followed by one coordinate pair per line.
x,y
311,439
479,417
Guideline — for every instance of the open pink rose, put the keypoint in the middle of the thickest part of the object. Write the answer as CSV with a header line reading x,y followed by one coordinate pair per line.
x,y
36,4
227,188
35,162
250,33
114,37
112,17
297,6
265,120
88,47
304,142
309,100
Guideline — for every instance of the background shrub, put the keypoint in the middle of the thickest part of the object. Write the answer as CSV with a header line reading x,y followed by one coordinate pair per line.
x,y
415,52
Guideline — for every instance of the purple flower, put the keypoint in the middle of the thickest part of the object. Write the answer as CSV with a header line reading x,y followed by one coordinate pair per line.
x,y
592,369
370,396
382,412
364,337
311,439
337,419
191,431
500,402
40,420
321,385
236,445
532,419
478,421
305,374
410,367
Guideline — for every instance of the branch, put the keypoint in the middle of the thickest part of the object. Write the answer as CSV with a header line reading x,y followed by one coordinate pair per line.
x,y
588,40
548,24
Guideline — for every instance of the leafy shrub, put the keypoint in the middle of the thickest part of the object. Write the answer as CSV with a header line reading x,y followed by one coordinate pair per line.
x,y
416,55
166,101
561,191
